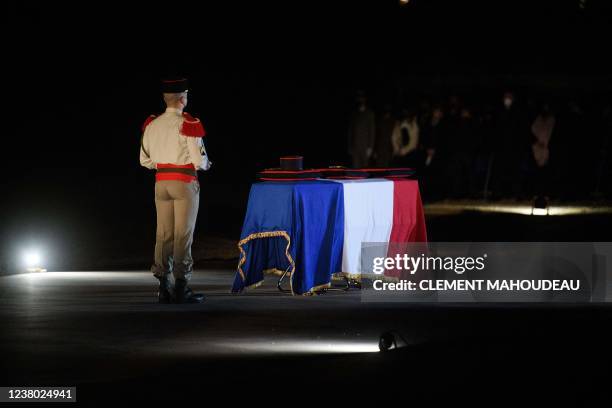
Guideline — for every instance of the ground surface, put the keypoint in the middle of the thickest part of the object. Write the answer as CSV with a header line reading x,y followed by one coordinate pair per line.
x,y
103,332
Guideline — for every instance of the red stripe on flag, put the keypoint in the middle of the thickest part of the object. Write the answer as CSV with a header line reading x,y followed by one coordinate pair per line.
x,y
408,220
408,215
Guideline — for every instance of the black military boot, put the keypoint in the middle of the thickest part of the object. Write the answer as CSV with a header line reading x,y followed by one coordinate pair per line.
x,y
163,294
184,294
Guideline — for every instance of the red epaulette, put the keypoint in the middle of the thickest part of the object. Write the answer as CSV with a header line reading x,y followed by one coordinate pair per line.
x,y
192,126
147,121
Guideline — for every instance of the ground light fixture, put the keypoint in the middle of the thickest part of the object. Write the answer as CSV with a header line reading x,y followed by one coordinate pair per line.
x,y
540,206
32,260
391,340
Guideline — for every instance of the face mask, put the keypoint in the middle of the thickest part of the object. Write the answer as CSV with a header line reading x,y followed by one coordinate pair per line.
x,y
507,102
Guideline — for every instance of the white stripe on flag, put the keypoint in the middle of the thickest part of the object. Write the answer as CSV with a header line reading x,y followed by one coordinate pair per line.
x,y
368,217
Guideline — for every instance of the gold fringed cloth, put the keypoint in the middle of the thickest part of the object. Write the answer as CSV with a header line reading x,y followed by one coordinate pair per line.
x,y
292,226
270,248
314,229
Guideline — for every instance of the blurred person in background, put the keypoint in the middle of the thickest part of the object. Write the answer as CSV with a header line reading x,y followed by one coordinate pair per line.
x,y
542,130
361,133
511,149
432,131
485,150
405,139
461,147
385,124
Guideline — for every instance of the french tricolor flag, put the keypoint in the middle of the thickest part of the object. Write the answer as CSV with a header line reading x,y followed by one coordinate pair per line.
x,y
379,211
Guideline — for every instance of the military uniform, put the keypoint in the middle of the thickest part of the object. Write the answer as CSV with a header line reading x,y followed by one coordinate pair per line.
x,y
173,146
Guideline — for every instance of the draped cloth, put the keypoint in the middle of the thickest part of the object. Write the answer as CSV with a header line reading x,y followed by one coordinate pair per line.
x,y
313,229
408,215
292,226
368,218
382,217
408,224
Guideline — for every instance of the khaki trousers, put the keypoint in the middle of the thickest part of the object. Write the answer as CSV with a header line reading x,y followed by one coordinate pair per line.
x,y
177,205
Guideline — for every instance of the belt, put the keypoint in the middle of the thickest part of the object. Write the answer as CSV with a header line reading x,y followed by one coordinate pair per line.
x,y
189,172
182,172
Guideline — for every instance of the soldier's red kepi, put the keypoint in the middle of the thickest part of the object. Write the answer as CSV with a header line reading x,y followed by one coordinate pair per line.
x,y
175,85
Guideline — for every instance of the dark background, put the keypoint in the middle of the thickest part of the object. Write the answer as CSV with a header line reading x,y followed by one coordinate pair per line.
x,y
266,80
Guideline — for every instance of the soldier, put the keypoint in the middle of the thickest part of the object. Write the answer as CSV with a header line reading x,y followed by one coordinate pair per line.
x,y
172,144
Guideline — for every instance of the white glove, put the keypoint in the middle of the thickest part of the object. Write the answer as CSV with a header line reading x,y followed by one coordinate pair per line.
x,y
206,164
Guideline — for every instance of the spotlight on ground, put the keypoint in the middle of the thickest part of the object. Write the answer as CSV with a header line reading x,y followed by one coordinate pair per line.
x,y
540,206
301,346
391,340
32,261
